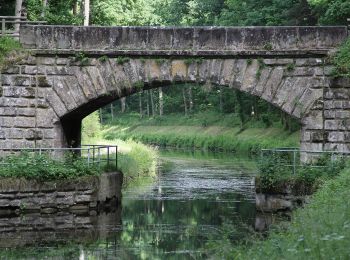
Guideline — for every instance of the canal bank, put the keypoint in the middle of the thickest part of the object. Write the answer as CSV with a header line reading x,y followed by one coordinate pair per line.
x,y
320,230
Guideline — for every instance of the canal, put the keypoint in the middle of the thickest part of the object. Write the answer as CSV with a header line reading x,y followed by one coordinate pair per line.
x,y
198,200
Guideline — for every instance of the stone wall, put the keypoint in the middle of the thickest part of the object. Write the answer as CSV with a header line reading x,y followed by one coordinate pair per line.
x,y
84,195
189,41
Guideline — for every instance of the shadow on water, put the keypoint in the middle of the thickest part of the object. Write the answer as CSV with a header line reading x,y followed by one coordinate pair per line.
x,y
175,216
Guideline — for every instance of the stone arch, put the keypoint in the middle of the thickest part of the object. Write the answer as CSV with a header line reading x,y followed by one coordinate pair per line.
x,y
58,92
78,89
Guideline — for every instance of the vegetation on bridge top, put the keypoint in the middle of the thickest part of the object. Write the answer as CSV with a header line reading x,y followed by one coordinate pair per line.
x,y
341,61
8,51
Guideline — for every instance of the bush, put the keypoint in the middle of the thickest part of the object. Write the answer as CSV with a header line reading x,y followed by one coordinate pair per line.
x,y
44,168
276,173
342,61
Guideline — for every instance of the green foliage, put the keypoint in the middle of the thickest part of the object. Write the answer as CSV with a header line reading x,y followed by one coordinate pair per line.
x,y
7,45
174,131
159,61
121,12
276,172
342,60
81,58
103,58
262,65
91,126
44,168
318,231
194,61
331,12
268,47
290,67
121,60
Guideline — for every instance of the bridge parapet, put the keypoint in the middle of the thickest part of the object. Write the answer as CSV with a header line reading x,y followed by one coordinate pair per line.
x,y
183,41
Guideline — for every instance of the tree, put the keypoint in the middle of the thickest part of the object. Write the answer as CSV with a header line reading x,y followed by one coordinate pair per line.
x,y
86,12
331,12
18,12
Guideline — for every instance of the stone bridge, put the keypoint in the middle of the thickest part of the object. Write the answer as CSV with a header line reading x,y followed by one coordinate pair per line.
x,y
72,71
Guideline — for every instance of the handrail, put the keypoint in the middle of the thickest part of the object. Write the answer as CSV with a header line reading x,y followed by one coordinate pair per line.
x,y
89,152
8,25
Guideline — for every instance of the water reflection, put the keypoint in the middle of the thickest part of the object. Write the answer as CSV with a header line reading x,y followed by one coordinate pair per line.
x,y
174,217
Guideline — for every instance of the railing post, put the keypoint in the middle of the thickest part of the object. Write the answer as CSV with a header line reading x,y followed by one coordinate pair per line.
x,y
99,156
107,156
88,159
3,27
93,154
294,161
116,157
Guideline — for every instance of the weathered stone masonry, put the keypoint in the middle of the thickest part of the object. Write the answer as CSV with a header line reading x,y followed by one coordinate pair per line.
x,y
72,71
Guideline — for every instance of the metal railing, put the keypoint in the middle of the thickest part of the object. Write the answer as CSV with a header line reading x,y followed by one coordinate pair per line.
x,y
9,28
93,154
296,158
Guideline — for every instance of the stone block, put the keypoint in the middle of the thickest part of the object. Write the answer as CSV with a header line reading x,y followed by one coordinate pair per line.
x,y
160,39
183,38
24,122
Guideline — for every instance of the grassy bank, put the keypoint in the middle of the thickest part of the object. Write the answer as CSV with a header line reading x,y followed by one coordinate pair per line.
x,y
213,138
318,231
135,160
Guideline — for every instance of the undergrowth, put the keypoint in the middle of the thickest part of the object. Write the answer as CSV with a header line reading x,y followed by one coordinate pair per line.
x,y
342,61
276,173
318,231
44,168
7,46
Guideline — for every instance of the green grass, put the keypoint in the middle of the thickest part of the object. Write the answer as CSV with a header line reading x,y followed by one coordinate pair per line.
x,y
207,131
318,231
7,45
135,160
207,138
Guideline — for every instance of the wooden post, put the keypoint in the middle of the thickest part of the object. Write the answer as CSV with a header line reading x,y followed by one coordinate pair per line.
x,y
348,23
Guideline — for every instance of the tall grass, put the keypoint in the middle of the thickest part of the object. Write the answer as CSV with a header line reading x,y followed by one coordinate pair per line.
x,y
206,138
318,231
139,161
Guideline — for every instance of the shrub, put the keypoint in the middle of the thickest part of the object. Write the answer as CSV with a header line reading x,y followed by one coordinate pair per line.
x,y
44,168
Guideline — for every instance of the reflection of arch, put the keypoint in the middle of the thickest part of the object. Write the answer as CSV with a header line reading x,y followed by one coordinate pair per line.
x,y
75,91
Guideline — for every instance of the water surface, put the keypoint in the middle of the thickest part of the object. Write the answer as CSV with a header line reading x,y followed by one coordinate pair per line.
x,y
176,216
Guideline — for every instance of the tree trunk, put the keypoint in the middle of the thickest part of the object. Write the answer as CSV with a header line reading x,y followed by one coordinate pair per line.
x,y
123,104
190,99
152,104
44,8
185,103
75,7
18,10
112,112
147,103
161,101
86,12
140,104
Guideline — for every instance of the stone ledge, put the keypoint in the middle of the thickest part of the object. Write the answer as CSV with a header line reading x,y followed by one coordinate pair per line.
x,y
78,196
183,53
